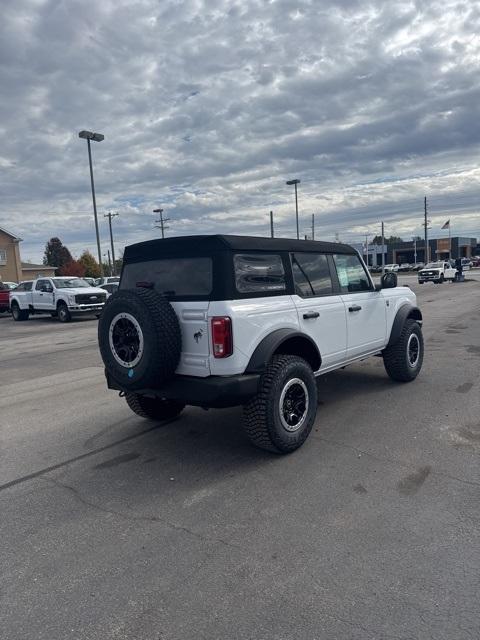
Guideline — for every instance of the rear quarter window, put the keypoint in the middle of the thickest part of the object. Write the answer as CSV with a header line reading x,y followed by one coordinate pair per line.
x,y
259,273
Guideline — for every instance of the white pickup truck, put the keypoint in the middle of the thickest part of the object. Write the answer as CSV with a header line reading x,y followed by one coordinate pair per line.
x,y
62,297
437,272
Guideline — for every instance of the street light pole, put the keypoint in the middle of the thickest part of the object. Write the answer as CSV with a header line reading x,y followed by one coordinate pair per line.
x,y
295,182
97,137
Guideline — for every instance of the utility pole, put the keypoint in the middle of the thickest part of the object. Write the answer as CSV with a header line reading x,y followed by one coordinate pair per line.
x,y
383,248
109,263
111,215
160,224
366,247
427,248
415,248
272,235
313,226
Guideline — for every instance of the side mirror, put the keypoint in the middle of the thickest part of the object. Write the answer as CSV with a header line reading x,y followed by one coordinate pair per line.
x,y
389,280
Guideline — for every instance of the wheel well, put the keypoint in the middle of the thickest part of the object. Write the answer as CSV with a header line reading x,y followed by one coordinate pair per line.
x,y
298,346
416,314
61,302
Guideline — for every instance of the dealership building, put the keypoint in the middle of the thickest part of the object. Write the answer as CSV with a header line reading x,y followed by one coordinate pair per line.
x,y
414,251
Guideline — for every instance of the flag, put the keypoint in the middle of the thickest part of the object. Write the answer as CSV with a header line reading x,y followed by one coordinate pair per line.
x,y
446,225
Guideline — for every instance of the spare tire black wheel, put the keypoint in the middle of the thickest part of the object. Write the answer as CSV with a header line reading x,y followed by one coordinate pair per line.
x,y
139,338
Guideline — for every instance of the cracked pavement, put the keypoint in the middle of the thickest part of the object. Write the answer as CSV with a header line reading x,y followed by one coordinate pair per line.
x,y
114,527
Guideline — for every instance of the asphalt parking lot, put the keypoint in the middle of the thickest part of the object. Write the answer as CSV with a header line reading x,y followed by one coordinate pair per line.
x,y
114,527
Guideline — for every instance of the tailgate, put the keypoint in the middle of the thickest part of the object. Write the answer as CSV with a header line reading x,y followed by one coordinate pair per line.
x,y
194,359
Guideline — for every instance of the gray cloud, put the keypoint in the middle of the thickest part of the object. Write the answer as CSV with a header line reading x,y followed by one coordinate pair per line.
x,y
208,106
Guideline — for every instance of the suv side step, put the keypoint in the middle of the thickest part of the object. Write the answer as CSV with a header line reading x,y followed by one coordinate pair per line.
x,y
211,392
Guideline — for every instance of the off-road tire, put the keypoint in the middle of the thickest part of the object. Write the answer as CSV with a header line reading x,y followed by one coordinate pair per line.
x,y
154,408
395,357
160,329
19,314
261,416
63,313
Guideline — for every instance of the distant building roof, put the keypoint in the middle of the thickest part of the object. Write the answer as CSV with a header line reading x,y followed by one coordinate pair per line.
x,y
9,233
26,266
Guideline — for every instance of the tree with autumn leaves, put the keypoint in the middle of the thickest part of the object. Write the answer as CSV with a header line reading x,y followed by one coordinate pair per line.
x,y
58,255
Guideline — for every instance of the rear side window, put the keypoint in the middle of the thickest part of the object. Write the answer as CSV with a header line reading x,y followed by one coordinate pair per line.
x,y
172,276
311,275
259,273
351,274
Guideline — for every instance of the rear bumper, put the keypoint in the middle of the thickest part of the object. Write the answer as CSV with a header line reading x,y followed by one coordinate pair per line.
x,y
211,392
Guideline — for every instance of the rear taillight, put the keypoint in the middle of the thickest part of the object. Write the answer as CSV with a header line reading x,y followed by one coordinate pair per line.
x,y
222,336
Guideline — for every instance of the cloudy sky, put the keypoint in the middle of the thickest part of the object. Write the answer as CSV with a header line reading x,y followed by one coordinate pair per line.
x,y
209,106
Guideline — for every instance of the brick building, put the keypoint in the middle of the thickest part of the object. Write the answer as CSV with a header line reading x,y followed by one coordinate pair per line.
x,y
12,269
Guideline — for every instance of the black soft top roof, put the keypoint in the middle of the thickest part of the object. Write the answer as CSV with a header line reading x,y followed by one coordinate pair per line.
x,y
206,245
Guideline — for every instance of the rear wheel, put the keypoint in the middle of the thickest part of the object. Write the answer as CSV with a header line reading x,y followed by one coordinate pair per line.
x,y
403,360
280,417
64,314
19,314
154,408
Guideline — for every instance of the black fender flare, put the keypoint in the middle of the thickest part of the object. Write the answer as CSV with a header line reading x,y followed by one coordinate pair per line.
x,y
405,312
270,344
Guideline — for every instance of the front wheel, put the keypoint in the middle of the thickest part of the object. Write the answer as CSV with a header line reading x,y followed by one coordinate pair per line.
x,y
280,417
403,360
64,314
154,408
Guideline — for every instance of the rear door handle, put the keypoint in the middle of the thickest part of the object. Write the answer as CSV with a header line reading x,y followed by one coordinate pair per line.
x,y
355,307
311,314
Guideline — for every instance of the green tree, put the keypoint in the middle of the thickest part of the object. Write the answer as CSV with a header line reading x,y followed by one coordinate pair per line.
x,y
92,268
56,253
388,241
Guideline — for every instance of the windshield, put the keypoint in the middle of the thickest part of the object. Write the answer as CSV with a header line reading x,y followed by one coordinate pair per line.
x,y
70,283
434,265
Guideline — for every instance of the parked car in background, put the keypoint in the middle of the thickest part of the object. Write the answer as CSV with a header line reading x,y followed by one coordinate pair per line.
x,y
11,285
106,280
392,267
110,287
405,266
437,272
4,298
91,281
418,266
466,264
61,297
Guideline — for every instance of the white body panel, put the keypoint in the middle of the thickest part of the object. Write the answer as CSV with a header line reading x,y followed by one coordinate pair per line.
x,y
328,330
252,320
366,322
340,335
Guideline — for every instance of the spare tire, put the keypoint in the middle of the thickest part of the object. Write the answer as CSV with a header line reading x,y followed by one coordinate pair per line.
x,y
139,338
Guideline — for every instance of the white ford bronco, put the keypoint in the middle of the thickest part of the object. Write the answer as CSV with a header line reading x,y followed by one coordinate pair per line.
x,y
220,321
61,297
